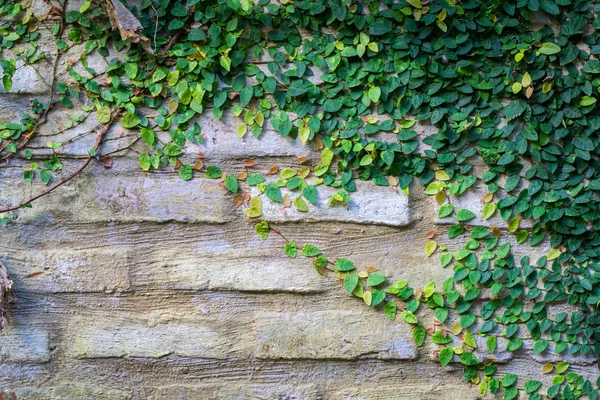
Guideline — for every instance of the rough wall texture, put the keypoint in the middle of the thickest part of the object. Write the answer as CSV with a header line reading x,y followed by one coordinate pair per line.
x,y
136,285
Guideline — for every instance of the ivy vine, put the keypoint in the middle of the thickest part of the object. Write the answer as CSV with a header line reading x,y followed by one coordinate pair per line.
x,y
510,87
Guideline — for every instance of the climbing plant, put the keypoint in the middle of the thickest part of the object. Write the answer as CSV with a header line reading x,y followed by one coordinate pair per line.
x,y
510,87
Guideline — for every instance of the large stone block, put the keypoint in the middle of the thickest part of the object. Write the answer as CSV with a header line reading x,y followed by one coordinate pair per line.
x,y
225,264
119,338
26,344
370,204
69,270
332,334
105,196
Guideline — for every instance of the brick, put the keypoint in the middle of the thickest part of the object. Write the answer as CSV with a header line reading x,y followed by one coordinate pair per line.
x,y
332,334
370,204
69,270
21,343
113,338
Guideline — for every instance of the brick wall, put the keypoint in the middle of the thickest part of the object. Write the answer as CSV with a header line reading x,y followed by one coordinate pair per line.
x,y
138,285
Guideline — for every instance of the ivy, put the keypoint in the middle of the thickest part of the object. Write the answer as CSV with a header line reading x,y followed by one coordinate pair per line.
x,y
511,108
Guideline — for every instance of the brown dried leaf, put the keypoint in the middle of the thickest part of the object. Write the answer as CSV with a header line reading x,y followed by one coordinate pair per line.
x,y
238,200
302,159
431,234
127,24
273,170
287,201
496,231
529,92
198,166
249,163
371,268
242,176
107,162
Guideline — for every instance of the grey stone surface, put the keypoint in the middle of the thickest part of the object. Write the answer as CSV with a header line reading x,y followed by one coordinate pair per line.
x,y
24,344
370,204
331,334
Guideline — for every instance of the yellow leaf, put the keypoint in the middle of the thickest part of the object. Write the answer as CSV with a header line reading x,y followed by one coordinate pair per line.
x,y
489,196
547,368
368,297
304,134
442,15
458,350
241,130
440,197
442,25
516,87
259,118
373,47
304,171
526,81
547,86
456,329
363,274
519,56
483,387
441,175
415,3
513,224
488,210
430,248
287,201
255,209
553,254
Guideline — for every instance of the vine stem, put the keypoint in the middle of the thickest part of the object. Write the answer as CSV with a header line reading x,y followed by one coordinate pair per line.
x,y
99,138
288,241
44,116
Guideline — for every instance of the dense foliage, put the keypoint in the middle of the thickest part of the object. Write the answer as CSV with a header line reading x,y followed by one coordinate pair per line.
x,y
513,101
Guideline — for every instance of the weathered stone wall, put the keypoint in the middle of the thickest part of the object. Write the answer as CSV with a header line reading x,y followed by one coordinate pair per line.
x,y
138,285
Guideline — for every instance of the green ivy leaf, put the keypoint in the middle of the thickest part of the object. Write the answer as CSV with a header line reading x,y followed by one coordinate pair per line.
x,y
310,250
464,215
262,229
419,333
350,283
231,183
129,120
273,192
390,309
186,172
468,359
343,265
445,210
445,356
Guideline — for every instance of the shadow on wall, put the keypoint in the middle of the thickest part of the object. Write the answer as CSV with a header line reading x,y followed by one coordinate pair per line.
x,y
5,295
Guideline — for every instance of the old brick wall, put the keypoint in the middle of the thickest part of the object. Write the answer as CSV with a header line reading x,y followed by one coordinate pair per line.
x,y
138,285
